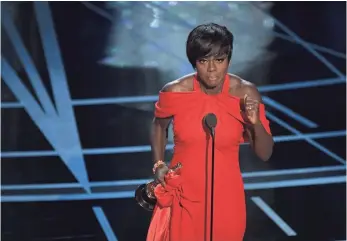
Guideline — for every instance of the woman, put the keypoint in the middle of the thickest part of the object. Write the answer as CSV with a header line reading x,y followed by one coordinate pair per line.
x,y
183,210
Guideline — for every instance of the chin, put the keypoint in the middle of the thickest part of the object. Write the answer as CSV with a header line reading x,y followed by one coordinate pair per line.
x,y
213,84
210,85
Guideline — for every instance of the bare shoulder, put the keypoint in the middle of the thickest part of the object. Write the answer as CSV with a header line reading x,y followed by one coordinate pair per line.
x,y
240,87
183,84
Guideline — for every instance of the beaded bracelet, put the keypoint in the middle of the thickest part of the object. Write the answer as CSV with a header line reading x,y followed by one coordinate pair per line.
x,y
156,165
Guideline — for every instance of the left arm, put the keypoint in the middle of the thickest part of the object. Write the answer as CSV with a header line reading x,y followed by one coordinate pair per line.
x,y
260,140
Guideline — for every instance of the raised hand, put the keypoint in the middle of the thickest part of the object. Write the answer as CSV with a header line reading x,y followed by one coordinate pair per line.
x,y
250,110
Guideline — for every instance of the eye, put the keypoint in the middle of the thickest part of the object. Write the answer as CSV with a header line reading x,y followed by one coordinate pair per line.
x,y
202,61
220,60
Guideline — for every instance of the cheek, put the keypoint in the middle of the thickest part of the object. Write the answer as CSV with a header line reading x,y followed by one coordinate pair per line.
x,y
200,67
223,67
202,70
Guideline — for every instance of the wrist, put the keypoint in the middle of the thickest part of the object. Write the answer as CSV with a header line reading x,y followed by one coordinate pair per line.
x,y
157,164
258,126
253,126
257,123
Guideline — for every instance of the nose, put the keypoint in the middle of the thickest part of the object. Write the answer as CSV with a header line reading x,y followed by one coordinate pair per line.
x,y
211,66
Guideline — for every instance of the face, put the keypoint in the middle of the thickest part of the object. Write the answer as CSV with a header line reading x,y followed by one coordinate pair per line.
x,y
212,70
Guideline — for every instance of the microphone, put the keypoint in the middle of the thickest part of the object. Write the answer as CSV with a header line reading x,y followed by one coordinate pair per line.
x,y
210,121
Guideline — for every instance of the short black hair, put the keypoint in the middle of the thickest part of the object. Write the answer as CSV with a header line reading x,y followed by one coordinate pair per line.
x,y
209,40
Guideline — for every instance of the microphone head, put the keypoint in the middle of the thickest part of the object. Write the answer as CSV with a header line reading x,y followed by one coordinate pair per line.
x,y
211,120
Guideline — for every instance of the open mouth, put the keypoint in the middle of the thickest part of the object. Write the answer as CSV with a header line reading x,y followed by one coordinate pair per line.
x,y
212,78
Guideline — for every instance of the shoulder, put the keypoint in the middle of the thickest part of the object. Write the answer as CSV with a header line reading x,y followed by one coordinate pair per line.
x,y
240,87
183,84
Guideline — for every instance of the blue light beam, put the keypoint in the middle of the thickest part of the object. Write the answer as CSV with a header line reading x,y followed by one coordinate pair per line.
x,y
146,148
106,226
130,194
273,216
153,98
59,129
303,120
303,43
309,140
52,128
67,133
28,64
118,183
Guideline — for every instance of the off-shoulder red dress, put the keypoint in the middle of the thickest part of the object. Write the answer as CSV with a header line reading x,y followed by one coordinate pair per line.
x,y
183,209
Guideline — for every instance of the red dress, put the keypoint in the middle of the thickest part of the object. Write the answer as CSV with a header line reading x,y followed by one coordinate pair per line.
x,y
183,209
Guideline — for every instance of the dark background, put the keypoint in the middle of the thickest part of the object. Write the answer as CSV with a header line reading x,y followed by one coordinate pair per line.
x,y
314,212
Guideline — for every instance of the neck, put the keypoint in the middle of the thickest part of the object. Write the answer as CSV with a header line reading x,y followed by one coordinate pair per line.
x,y
211,91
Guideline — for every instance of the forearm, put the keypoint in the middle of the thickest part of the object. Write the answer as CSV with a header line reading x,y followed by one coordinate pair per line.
x,y
262,142
158,141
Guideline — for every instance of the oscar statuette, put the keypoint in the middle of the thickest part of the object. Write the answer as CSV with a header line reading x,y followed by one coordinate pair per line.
x,y
144,194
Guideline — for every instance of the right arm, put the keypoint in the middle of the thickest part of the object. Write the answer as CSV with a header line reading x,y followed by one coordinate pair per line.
x,y
159,130
158,143
159,137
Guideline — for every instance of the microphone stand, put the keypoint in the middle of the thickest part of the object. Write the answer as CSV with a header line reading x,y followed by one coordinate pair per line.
x,y
212,181
211,122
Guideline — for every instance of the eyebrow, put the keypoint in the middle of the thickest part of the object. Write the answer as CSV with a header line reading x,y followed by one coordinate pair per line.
x,y
220,56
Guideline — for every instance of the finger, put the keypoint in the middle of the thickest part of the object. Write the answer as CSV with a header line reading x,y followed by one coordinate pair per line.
x,y
163,183
251,101
245,98
244,103
251,115
251,107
